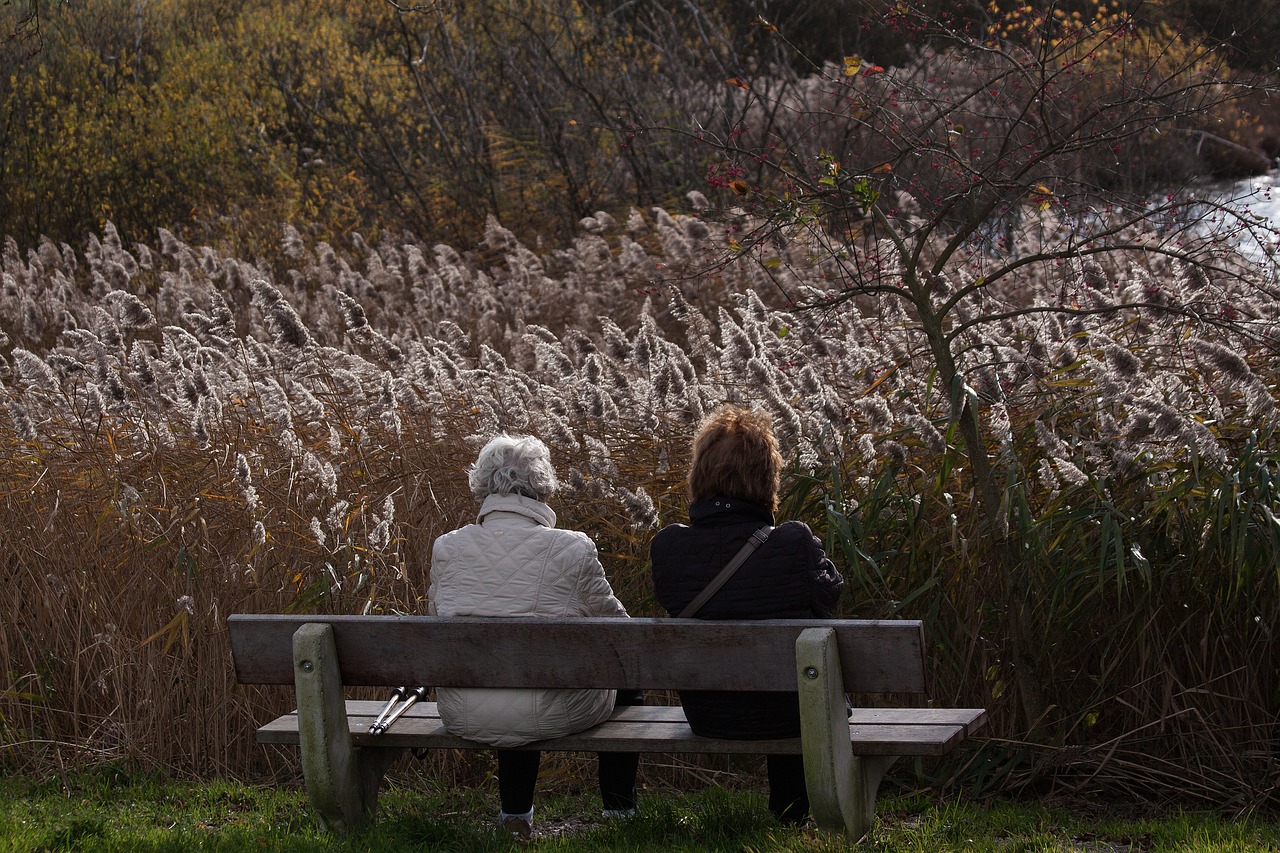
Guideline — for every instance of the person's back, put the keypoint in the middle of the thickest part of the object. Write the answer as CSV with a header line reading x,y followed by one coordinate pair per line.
x,y
733,493
787,577
514,562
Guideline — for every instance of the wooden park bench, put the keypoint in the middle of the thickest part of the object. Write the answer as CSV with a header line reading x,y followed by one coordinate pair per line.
x,y
844,756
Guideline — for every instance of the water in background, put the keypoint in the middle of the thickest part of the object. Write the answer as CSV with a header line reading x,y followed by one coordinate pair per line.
x,y
1261,197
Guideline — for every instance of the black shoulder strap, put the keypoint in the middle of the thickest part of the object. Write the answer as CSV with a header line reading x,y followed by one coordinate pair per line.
x,y
756,540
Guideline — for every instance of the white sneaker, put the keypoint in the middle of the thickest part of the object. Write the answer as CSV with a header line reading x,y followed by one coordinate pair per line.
x,y
618,814
518,826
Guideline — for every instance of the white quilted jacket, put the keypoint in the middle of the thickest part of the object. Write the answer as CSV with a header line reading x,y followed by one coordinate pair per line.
x,y
514,562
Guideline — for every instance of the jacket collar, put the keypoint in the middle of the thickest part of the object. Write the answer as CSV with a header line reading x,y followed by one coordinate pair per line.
x,y
534,510
723,510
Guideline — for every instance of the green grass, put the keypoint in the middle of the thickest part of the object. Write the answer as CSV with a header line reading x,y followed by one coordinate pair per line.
x,y
112,809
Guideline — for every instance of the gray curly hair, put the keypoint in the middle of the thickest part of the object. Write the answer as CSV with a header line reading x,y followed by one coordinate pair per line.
x,y
513,465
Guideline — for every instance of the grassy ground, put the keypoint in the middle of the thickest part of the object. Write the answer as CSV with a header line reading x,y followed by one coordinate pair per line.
x,y
113,810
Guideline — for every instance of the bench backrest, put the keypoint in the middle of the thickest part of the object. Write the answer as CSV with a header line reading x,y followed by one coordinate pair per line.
x,y
876,656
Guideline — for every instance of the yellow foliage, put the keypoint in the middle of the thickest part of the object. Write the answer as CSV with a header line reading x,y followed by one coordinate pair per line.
x,y
1105,55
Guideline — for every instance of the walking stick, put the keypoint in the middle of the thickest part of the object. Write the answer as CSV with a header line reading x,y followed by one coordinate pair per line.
x,y
415,695
396,695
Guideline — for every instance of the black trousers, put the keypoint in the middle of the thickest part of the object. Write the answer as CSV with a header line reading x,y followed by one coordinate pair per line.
x,y
788,797
518,772
518,775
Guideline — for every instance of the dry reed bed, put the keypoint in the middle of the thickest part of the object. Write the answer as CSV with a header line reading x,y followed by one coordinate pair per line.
x,y
191,435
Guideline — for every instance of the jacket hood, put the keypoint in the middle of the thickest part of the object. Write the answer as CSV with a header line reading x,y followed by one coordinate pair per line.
x,y
500,507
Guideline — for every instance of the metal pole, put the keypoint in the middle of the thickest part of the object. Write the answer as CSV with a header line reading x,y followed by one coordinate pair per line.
x,y
396,695
414,695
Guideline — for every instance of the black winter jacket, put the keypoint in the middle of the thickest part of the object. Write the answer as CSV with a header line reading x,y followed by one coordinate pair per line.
x,y
788,577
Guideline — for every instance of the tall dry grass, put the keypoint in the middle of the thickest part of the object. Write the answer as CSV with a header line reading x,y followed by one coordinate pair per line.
x,y
191,435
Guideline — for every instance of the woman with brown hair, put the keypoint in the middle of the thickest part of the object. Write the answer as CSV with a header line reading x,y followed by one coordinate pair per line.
x,y
733,495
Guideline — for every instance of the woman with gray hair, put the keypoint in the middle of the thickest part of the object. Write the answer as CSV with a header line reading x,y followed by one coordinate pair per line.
x,y
513,561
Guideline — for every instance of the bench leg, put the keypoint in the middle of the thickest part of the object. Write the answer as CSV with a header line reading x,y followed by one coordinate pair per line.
x,y
842,787
342,780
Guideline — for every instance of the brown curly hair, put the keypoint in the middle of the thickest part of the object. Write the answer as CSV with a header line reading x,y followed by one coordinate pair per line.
x,y
735,454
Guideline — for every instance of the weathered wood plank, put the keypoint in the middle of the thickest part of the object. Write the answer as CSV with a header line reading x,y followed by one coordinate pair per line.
x,y
362,712
657,737
662,733
876,656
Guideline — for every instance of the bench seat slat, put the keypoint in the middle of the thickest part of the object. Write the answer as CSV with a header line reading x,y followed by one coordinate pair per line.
x,y
362,712
872,731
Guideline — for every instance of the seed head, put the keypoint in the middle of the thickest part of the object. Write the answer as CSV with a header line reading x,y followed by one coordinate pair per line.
x,y
352,312
1123,362
876,412
318,532
1229,364
1070,473
130,312
283,321
33,371
1048,478
22,421
639,507
243,473
1094,275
